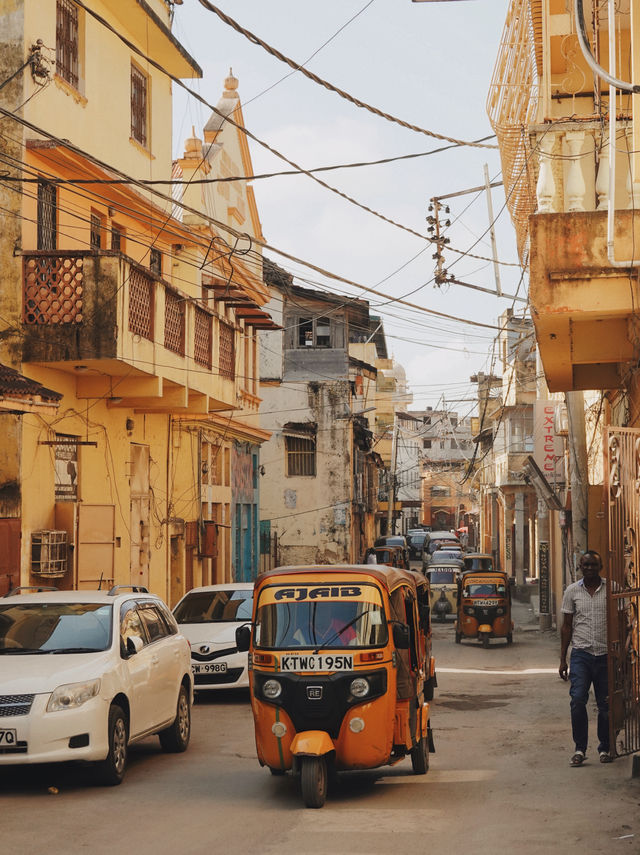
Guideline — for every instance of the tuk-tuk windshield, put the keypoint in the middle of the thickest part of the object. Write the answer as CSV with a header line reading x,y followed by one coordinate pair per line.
x,y
293,617
484,589
442,577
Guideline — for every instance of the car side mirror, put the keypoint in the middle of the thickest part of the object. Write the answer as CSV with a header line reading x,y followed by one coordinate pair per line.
x,y
243,638
134,645
401,636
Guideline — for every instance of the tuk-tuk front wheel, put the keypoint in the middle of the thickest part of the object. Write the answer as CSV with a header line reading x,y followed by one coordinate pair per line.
x,y
510,638
313,778
458,637
485,640
420,757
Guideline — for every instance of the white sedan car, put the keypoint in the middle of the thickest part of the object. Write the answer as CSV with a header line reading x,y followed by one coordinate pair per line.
x,y
209,617
86,673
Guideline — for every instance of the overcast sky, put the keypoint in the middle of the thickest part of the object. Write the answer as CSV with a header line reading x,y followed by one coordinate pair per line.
x,y
429,64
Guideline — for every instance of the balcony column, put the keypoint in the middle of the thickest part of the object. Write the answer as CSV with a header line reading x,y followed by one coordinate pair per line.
x,y
546,185
519,557
575,187
602,180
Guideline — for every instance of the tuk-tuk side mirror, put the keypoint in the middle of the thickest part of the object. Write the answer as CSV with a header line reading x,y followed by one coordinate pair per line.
x,y
243,638
401,636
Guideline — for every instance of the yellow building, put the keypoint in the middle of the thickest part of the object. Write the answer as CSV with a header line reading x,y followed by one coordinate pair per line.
x,y
112,295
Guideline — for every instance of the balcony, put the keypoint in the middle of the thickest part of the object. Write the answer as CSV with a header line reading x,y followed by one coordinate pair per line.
x,y
583,307
125,334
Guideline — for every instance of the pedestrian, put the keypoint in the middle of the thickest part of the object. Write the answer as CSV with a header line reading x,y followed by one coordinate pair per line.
x,y
584,607
371,556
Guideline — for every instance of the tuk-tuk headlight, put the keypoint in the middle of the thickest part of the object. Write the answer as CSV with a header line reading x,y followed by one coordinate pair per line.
x,y
271,689
471,610
359,687
499,611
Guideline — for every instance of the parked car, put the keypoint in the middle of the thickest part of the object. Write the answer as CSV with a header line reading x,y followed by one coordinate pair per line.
x,y
87,673
416,542
208,617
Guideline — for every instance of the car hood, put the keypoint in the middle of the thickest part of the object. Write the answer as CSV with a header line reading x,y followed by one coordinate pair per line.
x,y
213,633
42,673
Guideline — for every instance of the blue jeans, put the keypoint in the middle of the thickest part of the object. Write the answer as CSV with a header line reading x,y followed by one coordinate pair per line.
x,y
584,670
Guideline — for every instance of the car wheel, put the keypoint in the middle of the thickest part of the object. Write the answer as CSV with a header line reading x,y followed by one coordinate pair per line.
x,y
175,738
110,771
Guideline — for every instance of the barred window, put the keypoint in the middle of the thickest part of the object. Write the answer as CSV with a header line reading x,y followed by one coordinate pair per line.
x,y
138,106
155,261
117,238
47,214
301,456
67,41
95,236
227,355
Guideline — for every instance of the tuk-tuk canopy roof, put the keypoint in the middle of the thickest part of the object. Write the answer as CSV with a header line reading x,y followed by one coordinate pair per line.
x,y
390,577
486,574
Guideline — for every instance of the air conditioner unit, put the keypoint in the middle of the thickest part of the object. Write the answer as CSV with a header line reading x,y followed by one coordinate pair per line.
x,y
49,553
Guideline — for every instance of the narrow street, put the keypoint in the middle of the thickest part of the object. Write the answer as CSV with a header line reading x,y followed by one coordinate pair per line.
x,y
500,780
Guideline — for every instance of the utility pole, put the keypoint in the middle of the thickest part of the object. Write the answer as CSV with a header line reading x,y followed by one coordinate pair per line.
x,y
441,274
492,232
392,477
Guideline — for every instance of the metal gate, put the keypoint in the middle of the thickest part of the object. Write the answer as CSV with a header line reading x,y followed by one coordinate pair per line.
x,y
622,468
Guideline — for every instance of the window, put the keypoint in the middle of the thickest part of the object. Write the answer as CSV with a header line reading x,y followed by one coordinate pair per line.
x,y
426,443
67,41
227,357
314,332
301,455
95,231
139,106
131,625
117,238
155,261
47,214
153,621
426,420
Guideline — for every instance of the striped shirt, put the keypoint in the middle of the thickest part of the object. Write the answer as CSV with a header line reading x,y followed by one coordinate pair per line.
x,y
589,617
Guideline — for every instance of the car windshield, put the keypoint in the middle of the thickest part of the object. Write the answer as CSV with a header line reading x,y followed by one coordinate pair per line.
x,y
55,627
215,606
308,616
445,553
416,539
484,589
442,577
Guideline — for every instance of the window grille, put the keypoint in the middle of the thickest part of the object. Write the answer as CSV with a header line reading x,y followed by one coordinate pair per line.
x,y
67,41
202,338
138,106
227,356
95,237
47,214
155,261
301,456
141,291
174,322
53,289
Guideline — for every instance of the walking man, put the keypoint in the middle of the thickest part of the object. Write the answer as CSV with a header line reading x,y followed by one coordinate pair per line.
x,y
584,607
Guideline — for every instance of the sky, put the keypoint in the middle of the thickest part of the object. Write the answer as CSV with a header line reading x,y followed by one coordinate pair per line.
x,y
429,64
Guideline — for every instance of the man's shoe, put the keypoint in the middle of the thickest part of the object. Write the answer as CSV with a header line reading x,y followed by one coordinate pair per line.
x,y
577,758
605,757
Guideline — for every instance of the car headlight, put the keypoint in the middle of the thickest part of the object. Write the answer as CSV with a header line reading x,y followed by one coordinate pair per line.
x,y
359,687
271,689
72,695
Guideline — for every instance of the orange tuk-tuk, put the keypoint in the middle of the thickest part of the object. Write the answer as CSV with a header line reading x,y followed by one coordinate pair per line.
x,y
484,606
341,671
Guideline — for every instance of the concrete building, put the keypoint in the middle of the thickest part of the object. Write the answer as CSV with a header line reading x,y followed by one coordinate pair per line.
x,y
115,302
319,485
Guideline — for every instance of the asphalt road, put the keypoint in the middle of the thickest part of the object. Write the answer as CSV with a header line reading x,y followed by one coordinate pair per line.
x,y
500,781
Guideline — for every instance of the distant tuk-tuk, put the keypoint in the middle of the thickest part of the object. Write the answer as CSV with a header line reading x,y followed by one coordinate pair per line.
x,y
443,583
484,606
478,561
341,671
392,556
